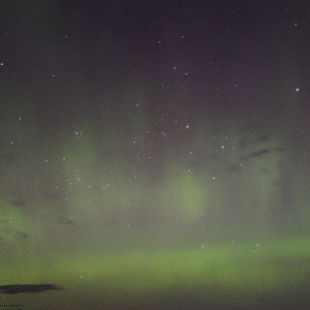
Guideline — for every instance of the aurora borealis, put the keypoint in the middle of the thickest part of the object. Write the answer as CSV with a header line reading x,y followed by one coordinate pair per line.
x,y
154,134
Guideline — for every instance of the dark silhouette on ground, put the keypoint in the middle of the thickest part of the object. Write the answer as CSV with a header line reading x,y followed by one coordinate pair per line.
x,y
28,288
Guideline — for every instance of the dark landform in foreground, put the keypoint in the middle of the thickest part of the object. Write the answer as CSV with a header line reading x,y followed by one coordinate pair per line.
x,y
27,288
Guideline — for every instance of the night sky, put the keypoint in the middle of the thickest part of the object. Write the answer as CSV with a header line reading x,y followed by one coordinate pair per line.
x,y
151,149
187,57
179,117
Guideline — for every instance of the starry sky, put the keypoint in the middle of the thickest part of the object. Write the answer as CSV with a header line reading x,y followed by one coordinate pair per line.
x,y
194,56
98,96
